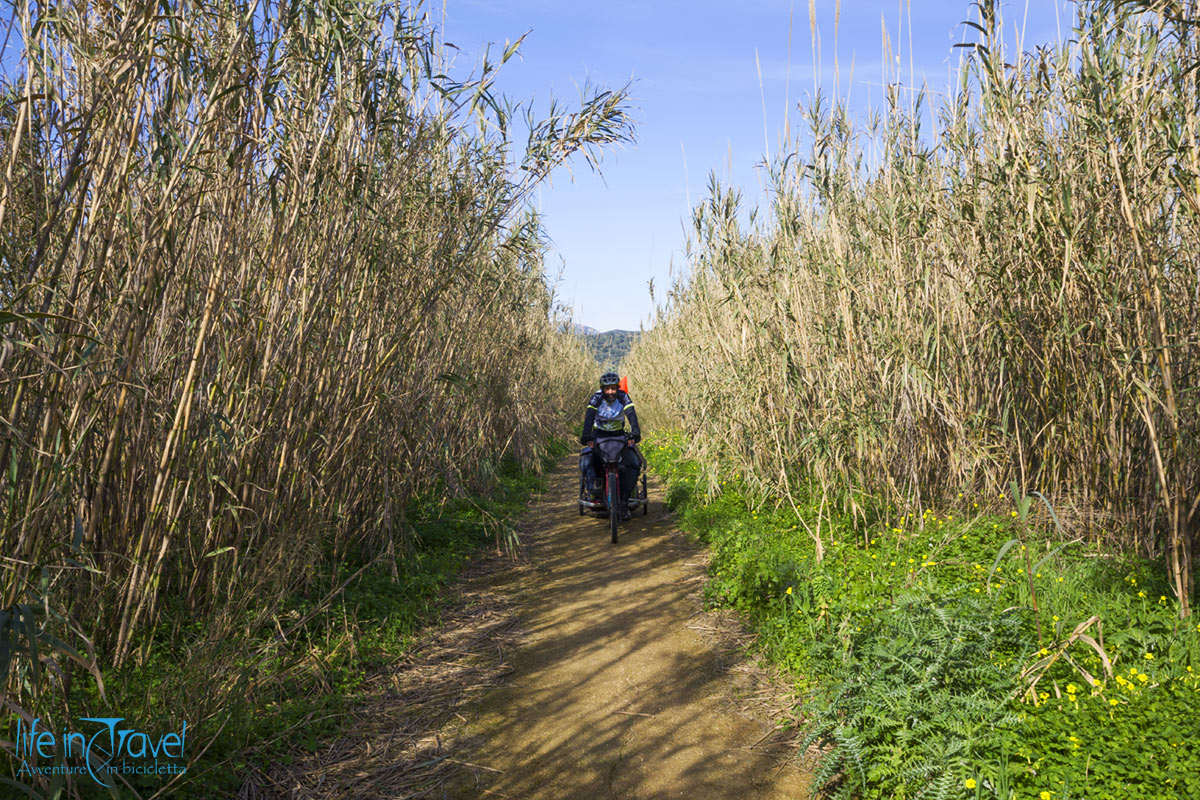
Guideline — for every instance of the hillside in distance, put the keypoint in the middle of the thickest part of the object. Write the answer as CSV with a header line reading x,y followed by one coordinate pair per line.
x,y
610,347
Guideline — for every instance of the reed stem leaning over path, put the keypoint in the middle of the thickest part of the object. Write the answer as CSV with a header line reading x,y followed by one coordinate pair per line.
x,y
1011,297
267,273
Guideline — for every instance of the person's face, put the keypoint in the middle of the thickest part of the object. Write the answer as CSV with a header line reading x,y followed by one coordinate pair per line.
x,y
610,392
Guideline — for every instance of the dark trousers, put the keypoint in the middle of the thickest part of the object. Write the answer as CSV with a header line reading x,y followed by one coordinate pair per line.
x,y
593,472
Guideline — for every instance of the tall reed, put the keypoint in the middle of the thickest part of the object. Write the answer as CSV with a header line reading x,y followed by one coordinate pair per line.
x,y
267,272
1012,295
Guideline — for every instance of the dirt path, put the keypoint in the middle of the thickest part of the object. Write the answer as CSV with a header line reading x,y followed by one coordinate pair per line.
x,y
615,693
586,670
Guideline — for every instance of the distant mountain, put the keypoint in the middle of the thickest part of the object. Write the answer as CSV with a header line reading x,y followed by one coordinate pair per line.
x,y
583,330
611,346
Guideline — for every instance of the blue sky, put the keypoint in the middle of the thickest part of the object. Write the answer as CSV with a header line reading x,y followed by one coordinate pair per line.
x,y
699,107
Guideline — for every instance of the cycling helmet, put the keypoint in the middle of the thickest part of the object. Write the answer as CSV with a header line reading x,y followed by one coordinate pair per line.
x,y
610,379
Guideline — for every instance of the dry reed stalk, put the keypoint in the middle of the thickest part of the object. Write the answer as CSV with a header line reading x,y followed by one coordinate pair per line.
x,y
1013,297
267,275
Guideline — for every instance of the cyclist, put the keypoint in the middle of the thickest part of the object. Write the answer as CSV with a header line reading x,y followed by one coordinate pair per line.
x,y
605,417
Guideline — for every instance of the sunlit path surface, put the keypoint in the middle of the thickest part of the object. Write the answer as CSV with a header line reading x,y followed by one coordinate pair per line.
x,y
612,694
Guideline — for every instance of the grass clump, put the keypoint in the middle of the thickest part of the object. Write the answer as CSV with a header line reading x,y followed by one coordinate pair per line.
x,y
929,667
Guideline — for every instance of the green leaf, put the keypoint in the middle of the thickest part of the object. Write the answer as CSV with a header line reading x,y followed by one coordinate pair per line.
x,y
999,557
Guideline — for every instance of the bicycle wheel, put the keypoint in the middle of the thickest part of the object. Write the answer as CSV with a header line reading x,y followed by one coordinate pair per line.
x,y
579,501
613,494
645,497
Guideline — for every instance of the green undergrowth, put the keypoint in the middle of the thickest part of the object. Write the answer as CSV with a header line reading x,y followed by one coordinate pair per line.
x,y
284,694
958,652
